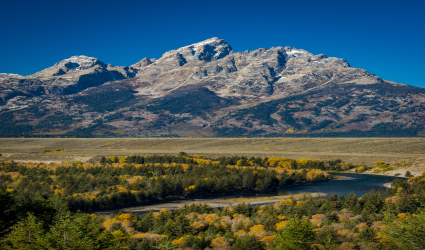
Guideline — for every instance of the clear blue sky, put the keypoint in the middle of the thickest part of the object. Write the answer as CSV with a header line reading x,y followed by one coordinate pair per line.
x,y
387,38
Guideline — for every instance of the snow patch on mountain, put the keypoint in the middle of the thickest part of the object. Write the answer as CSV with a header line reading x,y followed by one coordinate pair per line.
x,y
81,62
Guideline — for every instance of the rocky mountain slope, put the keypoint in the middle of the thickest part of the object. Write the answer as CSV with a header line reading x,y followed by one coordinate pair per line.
x,y
207,89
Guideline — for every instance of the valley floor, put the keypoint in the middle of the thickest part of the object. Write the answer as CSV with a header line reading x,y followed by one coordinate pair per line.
x,y
355,150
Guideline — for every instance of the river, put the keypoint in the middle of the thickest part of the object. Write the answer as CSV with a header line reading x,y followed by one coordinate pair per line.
x,y
360,184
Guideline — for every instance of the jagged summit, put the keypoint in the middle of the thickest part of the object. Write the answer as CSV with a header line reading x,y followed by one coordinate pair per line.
x,y
143,63
260,73
74,63
69,76
208,50
80,62
213,40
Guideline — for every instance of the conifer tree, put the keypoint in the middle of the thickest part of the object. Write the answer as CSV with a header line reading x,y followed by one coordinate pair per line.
x,y
27,234
297,234
66,234
179,227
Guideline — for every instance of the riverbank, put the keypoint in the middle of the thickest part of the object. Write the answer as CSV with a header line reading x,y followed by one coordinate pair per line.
x,y
401,172
214,203
387,185
341,178
416,167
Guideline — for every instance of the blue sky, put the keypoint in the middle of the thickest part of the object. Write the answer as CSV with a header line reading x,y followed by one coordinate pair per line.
x,y
386,38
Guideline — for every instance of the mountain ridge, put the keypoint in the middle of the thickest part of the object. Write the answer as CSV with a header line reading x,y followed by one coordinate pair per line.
x,y
207,89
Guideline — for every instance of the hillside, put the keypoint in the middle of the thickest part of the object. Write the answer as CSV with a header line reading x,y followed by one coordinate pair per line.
x,y
205,90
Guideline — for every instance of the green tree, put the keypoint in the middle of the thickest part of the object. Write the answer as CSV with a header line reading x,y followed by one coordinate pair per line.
x,y
406,233
297,234
294,164
27,234
136,244
328,237
145,224
248,243
7,211
179,226
76,232
367,234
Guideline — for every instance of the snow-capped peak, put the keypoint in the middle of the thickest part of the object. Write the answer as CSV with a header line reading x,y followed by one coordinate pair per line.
x,y
80,62
208,41
294,52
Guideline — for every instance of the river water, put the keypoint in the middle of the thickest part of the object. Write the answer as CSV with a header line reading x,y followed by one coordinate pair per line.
x,y
360,184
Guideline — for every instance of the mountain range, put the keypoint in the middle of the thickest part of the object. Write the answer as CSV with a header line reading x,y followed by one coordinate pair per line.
x,y
205,90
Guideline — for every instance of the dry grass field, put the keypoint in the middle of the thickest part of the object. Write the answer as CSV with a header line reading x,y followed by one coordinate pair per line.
x,y
356,150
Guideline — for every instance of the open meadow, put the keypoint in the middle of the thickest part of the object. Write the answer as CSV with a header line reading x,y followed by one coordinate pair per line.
x,y
356,150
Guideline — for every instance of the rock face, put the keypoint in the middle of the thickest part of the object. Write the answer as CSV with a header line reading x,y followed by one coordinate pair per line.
x,y
277,71
207,89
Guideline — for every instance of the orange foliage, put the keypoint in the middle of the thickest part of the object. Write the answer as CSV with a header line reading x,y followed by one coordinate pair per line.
x,y
193,187
362,226
240,233
281,217
402,216
211,218
392,200
317,247
344,215
179,242
150,237
347,246
198,225
256,228
268,240
318,219
125,217
221,243
281,225
220,226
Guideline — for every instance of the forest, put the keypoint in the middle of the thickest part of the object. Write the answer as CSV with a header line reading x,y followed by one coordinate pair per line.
x,y
49,206
122,180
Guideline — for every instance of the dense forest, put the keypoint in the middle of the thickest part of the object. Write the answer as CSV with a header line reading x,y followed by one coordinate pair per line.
x,y
119,180
41,204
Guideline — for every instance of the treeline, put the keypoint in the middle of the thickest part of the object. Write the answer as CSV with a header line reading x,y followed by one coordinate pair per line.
x,y
120,181
390,219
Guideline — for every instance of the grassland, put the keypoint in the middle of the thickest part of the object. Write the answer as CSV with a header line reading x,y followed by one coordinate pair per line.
x,y
356,150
